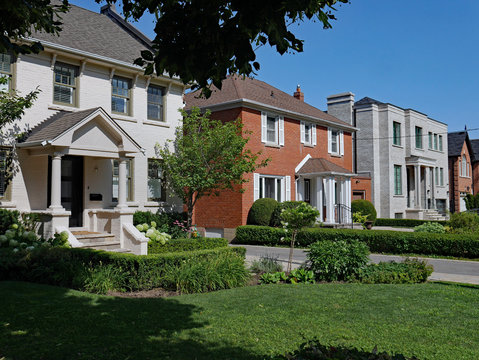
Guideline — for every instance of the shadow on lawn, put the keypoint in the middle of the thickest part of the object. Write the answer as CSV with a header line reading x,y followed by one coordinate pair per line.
x,y
45,322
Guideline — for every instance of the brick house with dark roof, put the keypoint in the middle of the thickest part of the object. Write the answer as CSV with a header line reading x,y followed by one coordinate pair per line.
x,y
461,157
475,165
310,152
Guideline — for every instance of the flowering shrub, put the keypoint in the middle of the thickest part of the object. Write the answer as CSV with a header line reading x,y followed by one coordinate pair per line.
x,y
153,234
18,237
191,230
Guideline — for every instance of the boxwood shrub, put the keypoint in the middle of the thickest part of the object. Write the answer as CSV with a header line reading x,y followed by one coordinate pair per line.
x,y
176,245
379,241
365,207
404,222
411,271
261,211
200,270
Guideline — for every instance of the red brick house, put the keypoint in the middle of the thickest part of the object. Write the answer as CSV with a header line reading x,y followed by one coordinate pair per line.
x,y
310,152
460,169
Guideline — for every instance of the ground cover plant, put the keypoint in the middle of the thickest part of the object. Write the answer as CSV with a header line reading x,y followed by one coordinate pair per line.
x,y
430,227
430,321
379,241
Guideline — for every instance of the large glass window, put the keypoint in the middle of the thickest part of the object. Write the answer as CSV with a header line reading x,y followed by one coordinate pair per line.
x,y
270,187
418,133
430,140
129,180
435,141
464,166
441,176
397,180
396,133
156,185
64,84
436,176
6,71
440,142
307,133
120,95
155,103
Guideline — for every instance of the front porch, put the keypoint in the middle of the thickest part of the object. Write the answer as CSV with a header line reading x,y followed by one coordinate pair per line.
x,y
327,187
80,154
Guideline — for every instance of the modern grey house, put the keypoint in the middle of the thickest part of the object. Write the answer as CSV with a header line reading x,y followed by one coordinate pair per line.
x,y
405,153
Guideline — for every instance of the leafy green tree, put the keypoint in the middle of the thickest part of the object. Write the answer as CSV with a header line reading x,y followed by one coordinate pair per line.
x,y
19,19
293,220
199,41
207,156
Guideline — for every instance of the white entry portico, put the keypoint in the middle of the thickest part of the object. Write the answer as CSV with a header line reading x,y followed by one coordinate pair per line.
x,y
327,187
81,147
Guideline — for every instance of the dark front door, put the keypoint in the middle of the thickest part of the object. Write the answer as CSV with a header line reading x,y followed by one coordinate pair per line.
x,y
72,188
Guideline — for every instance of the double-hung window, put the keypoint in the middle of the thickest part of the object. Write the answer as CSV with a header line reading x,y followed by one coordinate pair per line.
x,y
441,176
435,141
129,180
155,103
436,176
335,142
440,142
65,84
396,133
156,185
464,166
418,132
272,129
6,71
397,180
430,140
308,133
272,186
120,95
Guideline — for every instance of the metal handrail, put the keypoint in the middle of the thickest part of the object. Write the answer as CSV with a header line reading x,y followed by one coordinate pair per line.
x,y
343,215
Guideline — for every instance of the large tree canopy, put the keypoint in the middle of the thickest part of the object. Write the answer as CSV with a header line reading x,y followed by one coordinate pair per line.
x,y
201,41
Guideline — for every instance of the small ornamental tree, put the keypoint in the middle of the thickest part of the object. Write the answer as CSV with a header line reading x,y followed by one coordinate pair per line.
x,y
207,156
293,220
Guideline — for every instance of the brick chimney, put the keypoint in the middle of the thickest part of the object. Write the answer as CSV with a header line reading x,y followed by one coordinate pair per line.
x,y
298,94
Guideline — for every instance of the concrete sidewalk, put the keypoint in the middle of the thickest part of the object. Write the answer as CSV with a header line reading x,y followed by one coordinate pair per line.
x,y
461,271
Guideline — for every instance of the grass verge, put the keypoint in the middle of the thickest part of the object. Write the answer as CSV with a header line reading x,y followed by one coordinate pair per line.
x,y
431,321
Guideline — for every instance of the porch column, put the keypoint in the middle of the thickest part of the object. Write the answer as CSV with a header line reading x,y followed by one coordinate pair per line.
x,y
56,184
319,196
347,186
122,183
417,183
329,200
433,188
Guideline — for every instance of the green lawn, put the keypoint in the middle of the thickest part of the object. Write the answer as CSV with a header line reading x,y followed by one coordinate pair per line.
x,y
433,321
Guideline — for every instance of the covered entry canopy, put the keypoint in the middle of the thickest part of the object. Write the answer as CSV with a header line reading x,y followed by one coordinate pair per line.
x,y
320,166
89,132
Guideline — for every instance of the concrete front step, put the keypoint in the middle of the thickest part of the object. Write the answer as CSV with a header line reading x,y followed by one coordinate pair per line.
x,y
87,237
104,245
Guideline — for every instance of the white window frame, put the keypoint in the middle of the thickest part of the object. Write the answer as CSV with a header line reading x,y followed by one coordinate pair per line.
x,y
463,166
310,132
283,181
8,74
340,142
279,129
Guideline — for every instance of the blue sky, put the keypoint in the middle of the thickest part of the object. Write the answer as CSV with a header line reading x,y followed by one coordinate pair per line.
x,y
415,54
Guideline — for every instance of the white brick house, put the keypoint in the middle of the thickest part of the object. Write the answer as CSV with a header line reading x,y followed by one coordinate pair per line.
x,y
405,153
86,163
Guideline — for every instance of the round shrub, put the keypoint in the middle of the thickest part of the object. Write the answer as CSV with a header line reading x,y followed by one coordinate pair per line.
x,y
261,211
337,260
365,207
276,216
463,223
430,227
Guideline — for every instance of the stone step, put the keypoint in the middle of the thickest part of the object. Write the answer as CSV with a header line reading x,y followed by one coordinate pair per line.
x,y
104,245
87,237
121,250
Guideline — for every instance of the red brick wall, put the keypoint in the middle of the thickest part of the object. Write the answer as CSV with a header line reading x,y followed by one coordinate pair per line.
x,y
363,184
475,177
219,210
457,183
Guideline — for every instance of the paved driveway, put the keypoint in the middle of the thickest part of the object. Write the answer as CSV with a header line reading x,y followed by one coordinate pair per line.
x,y
444,270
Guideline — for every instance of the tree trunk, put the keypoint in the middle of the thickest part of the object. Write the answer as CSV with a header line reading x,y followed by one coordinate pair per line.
x,y
189,218
291,250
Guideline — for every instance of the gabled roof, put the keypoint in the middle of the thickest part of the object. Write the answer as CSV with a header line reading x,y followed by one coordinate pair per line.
x,y
236,88
60,123
475,149
321,166
105,34
56,125
455,141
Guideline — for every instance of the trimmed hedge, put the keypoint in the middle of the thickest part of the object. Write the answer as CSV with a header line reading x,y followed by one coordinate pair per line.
x,y
261,211
365,207
379,241
404,222
177,245
411,271
72,268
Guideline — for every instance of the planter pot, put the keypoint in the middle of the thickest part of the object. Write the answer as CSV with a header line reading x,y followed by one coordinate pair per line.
x,y
368,224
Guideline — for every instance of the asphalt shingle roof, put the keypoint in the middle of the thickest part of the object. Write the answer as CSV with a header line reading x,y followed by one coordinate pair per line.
x,y
99,34
321,165
57,124
455,141
367,101
236,87
475,148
